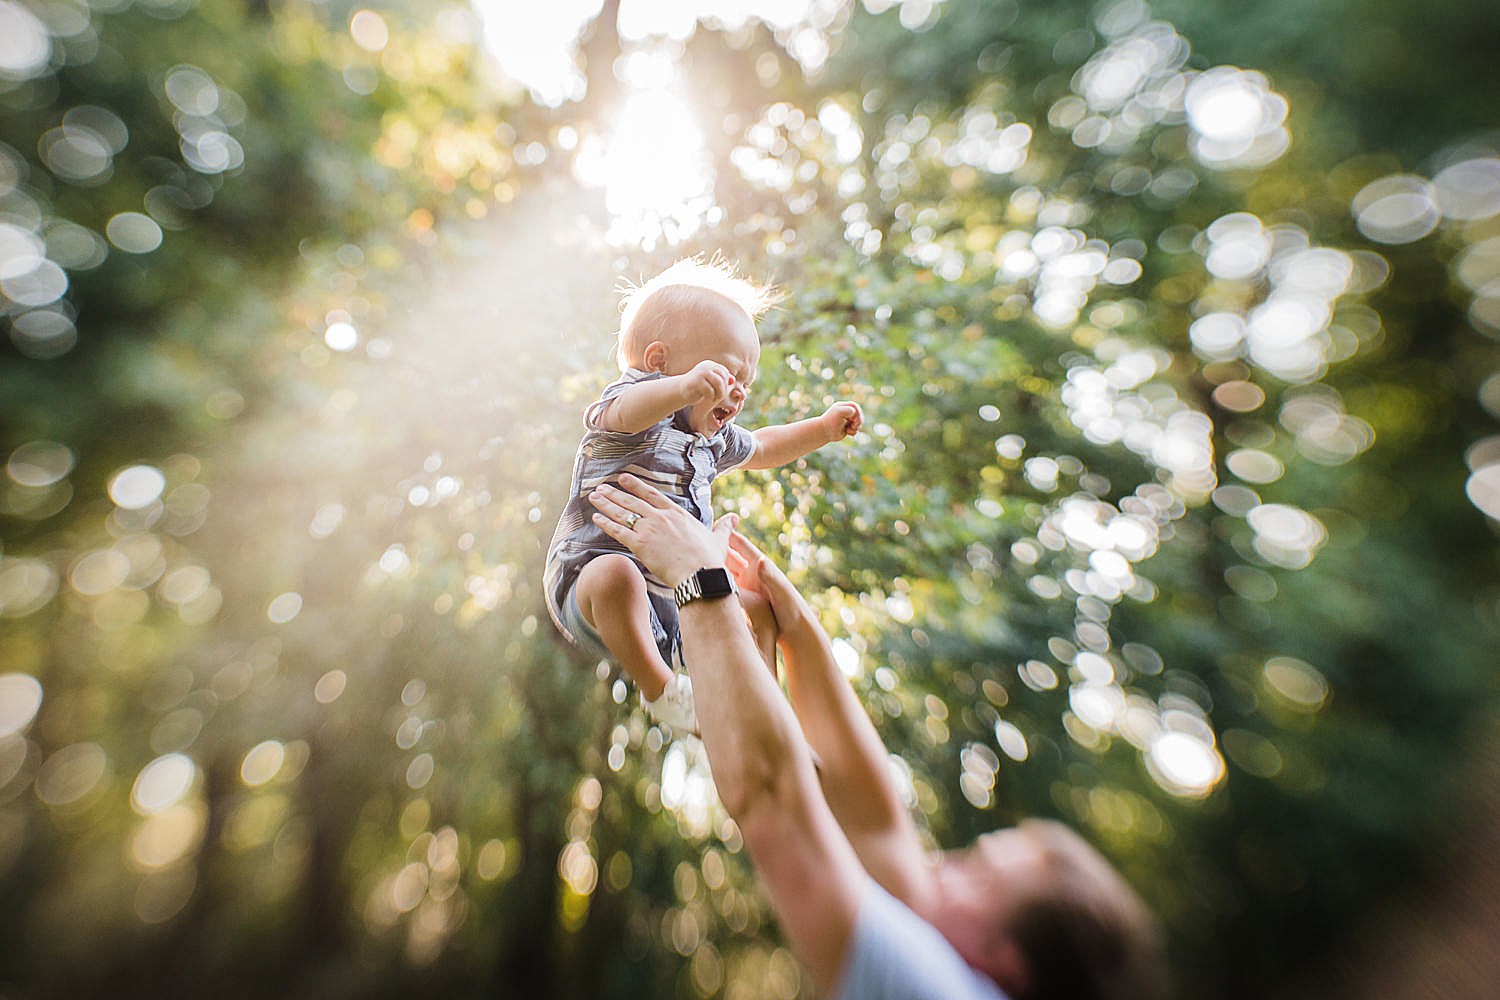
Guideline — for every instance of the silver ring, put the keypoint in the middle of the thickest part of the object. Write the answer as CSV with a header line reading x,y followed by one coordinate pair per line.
x,y
631,518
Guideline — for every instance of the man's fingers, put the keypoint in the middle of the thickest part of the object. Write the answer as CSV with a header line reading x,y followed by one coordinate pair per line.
x,y
743,547
607,505
725,525
765,569
610,528
644,491
616,505
736,564
777,588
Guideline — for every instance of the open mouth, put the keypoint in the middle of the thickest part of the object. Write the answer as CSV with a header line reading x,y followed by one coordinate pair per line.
x,y
722,415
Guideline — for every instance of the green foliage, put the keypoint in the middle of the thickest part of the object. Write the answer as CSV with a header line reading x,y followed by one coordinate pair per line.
x,y
303,724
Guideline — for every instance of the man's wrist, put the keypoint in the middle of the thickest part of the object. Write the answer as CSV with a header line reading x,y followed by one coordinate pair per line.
x,y
706,583
800,619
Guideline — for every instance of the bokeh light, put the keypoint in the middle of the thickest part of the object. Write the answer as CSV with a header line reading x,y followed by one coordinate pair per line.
x,y
71,774
1164,436
26,48
162,783
40,464
1483,489
341,337
1185,764
1237,119
1296,681
1397,209
20,699
369,31
284,607
133,232
261,762
137,486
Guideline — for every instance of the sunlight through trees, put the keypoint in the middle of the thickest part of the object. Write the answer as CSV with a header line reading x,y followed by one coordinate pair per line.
x,y
1173,515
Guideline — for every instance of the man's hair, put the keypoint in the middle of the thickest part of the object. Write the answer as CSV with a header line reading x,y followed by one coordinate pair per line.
x,y
692,288
1087,935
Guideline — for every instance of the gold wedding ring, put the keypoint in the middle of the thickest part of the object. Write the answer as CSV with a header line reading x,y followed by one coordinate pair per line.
x,y
631,518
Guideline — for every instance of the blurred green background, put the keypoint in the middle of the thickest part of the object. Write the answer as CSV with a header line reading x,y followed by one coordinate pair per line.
x,y
1177,331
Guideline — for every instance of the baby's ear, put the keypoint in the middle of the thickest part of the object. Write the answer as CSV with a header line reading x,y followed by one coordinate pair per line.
x,y
655,356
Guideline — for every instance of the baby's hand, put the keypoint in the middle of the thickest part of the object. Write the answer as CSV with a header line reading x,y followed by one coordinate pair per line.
x,y
705,382
843,419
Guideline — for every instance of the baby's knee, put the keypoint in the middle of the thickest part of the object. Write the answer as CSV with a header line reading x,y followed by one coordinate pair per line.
x,y
610,573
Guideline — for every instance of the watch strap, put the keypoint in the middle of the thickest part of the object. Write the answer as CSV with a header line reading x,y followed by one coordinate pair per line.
x,y
709,582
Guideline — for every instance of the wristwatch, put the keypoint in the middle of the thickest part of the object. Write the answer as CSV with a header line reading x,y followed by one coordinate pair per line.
x,y
704,583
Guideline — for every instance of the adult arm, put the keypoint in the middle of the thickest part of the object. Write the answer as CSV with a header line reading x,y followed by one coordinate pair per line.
x,y
856,770
648,402
779,444
760,760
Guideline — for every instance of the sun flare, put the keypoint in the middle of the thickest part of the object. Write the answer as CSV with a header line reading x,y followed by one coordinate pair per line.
x,y
654,170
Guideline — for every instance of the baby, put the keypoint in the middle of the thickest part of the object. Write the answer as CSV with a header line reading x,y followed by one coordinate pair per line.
x,y
689,350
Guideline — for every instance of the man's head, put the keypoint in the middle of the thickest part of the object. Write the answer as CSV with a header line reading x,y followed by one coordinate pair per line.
x,y
1045,915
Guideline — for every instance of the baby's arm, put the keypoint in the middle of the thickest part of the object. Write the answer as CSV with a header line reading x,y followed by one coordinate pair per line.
x,y
782,443
645,403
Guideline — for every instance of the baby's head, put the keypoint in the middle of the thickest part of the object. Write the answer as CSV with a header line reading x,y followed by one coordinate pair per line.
x,y
689,309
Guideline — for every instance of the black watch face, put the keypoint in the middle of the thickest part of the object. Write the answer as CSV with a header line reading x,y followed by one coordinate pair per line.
x,y
715,582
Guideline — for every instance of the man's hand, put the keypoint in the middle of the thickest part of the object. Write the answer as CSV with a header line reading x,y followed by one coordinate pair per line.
x,y
842,419
706,382
672,543
755,573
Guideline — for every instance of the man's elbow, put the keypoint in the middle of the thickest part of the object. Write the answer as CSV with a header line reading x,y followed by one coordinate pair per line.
x,y
750,792
767,795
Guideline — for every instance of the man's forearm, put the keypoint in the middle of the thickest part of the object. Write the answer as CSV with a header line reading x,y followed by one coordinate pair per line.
x,y
779,444
840,732
856,771
751,735
764,775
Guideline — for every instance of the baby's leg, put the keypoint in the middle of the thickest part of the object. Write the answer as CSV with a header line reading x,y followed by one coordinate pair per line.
x,y
762,626
612,596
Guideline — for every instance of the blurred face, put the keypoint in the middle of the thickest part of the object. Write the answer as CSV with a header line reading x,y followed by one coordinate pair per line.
x,y
728,337
1005,865
987,889
982,887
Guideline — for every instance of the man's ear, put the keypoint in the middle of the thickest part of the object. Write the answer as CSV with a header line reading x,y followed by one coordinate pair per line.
x,y
655,356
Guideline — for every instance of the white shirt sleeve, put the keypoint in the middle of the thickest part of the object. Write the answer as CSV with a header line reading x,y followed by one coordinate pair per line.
x,y
896,955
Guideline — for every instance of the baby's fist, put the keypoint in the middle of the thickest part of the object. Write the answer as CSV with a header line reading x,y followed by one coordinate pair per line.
x,y
708,381
844,419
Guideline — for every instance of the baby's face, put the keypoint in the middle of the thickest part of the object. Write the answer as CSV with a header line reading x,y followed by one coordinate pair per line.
x,y
732,343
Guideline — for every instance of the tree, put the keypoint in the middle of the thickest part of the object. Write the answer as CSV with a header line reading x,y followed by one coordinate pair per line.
x,y
1157,525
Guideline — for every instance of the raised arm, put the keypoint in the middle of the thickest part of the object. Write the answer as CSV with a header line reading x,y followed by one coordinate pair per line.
x,y
779,444
856,770
643,404
761,764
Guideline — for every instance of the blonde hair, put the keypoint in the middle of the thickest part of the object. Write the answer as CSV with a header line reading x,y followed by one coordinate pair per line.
x,y
689,287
